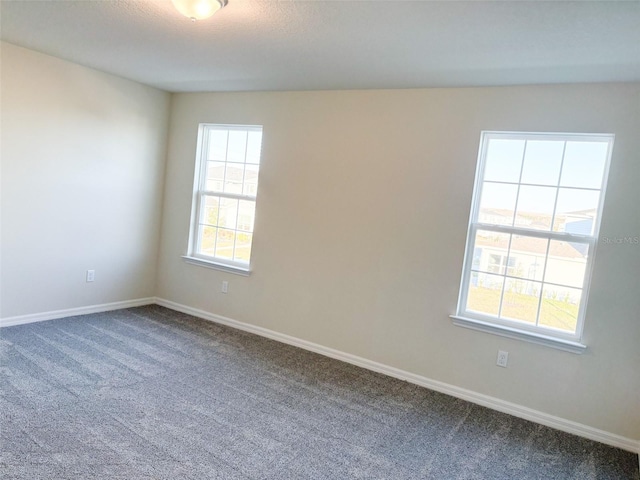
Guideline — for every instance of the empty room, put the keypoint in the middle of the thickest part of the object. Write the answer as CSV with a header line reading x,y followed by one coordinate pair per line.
x,y
309,239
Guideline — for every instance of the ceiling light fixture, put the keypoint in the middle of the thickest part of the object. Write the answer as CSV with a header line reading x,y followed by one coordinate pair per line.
x,y
198,9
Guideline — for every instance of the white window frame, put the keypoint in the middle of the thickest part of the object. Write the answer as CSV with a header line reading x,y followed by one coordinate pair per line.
x,y
200,193
515,329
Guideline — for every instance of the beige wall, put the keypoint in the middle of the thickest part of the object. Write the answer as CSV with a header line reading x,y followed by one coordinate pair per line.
x,y
82,174
362,213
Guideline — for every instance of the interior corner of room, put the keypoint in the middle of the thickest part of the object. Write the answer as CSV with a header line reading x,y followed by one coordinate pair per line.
x,y
354,262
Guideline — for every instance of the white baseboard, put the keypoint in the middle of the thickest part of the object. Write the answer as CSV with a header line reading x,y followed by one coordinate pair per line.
x,y
520,411
71,312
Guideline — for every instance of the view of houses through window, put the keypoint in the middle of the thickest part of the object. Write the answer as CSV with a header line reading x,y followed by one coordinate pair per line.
x,y
537,207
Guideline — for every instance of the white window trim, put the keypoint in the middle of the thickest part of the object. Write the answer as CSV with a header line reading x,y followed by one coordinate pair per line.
x,y
199,179
518,334
206,262
514,329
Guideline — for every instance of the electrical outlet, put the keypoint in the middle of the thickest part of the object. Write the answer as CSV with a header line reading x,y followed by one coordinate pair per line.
x,y
503,358
225,287
91,275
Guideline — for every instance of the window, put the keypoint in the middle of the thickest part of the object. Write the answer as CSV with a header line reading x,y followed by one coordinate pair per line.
x,y
498,263
224,200
533,228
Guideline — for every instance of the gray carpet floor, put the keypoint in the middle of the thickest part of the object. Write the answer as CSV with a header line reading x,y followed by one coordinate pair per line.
x,y
149,393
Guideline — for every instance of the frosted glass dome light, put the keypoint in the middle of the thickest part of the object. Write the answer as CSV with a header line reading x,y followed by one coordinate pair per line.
x,y
198,9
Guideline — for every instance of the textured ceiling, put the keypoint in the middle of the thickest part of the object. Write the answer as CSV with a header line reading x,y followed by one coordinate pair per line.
x,y
305,45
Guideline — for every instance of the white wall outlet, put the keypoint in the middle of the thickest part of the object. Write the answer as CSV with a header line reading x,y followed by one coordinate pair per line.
x,y
225,287
91,275
503,358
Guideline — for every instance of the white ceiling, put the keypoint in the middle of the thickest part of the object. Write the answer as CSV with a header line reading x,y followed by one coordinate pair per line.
x,y
308,45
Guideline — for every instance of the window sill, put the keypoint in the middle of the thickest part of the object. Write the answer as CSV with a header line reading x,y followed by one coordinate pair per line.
x,y
217,266
504,331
